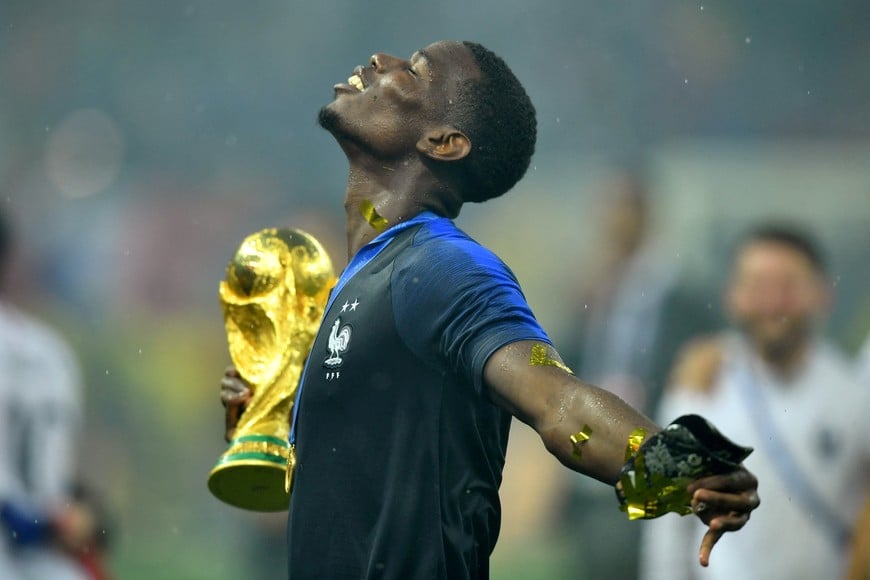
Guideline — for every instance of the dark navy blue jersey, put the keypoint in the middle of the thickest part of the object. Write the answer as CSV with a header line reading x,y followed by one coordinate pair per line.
x,y
400,451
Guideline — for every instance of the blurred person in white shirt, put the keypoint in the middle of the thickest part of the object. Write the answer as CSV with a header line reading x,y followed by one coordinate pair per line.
x,y
778,386
45,530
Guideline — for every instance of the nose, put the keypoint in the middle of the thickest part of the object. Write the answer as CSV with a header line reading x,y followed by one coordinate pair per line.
x,y
381,62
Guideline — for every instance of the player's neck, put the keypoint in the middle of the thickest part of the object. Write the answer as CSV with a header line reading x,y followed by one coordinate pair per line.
x,y
382,194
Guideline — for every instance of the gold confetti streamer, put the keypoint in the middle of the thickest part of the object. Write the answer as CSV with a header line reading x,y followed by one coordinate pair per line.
x,y
291,467
371,215
579,439
634,441
647,498
540,357
650,499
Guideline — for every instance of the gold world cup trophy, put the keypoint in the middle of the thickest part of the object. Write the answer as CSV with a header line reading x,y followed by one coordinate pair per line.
x,y
273,298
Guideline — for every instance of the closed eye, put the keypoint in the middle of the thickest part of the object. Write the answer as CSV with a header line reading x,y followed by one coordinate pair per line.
x,y
412,72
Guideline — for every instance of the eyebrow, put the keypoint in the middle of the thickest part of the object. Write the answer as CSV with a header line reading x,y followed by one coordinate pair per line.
x,y
422,55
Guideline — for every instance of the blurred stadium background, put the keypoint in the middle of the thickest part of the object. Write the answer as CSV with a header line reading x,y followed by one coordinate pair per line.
x,y
141,141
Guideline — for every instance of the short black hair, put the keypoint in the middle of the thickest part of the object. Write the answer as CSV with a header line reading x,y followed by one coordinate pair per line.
x,y
795,237
498,117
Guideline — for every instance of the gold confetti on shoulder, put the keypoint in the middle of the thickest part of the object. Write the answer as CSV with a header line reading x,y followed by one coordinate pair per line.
x,y
579,439
540,358
378,222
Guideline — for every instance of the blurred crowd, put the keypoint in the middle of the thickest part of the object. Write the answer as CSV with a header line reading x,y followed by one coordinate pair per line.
x,y
140,142
755,354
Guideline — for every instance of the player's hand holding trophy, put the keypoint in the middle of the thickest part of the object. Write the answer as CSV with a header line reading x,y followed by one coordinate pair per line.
x,y
273,297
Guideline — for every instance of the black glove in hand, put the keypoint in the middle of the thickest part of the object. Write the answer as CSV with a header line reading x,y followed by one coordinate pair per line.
x,y
653,481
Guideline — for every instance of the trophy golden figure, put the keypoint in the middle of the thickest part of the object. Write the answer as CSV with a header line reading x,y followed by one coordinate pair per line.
x,y
273,298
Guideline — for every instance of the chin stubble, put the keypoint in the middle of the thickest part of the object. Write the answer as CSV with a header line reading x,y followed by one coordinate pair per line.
x,y
327,118
780,350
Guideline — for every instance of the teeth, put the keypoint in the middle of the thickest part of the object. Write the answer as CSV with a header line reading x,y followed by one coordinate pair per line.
x,y
356,82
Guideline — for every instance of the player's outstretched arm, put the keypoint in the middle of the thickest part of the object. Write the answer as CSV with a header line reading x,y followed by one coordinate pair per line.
x,y
588,430
535,386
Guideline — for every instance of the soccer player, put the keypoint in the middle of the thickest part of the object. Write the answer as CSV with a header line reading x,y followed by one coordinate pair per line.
x,y
427,346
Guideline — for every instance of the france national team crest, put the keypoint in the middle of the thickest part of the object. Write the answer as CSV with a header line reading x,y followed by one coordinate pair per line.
x,y
337,344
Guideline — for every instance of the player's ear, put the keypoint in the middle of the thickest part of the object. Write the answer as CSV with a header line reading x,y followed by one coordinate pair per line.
x,y
444,144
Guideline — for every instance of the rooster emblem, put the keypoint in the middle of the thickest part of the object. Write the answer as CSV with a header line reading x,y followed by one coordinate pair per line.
x,y
339,338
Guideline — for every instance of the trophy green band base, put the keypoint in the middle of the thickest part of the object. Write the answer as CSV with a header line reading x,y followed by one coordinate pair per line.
x,y
252,474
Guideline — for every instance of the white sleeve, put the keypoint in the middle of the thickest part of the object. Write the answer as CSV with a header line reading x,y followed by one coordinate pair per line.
x,y
864,390
54,451
864,381
863,363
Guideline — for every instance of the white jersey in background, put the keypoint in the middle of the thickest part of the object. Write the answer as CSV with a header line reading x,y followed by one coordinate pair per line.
x,y
817,425
40,417
863,362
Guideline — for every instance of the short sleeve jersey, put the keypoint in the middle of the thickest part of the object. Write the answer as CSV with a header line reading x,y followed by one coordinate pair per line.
x,y
400,451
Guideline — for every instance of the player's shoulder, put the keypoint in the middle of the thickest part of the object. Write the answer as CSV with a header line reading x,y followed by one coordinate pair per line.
x,y
34,337
441,243
699,364
446,261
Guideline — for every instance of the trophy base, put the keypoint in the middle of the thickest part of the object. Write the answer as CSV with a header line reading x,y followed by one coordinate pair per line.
x,y
250,479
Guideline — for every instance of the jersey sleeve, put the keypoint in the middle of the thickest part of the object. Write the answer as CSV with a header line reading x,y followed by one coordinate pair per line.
x,y
455,303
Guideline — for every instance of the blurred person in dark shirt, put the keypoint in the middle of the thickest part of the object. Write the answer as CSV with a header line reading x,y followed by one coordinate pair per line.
x,y
633,312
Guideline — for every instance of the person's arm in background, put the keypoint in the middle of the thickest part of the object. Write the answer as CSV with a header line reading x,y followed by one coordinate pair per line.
x,y
71,527
859,566
54,515
23,525
558,405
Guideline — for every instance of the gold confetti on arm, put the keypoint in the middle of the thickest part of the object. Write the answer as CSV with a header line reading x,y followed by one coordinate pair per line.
x,y
540,358
634,441
579,439
371,215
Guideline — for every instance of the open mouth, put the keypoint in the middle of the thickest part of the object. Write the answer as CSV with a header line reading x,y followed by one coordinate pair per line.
x,y
356,82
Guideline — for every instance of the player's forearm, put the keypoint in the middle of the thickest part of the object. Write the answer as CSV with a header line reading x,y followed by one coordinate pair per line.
x,y
588,428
